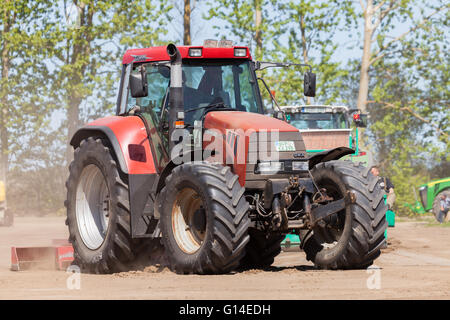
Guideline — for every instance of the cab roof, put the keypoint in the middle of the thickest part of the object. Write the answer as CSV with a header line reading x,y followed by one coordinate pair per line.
x,y
160,53
314,108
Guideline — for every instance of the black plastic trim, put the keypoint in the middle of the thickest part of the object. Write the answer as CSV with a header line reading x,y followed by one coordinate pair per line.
x,y
88,131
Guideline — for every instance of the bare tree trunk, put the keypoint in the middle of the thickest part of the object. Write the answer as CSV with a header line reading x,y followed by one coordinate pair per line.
x,y
304,47
4,100
258,31
187,23
366,56
81,48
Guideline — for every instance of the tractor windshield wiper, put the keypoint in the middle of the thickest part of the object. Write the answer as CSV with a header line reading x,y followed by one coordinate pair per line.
x,y
212,105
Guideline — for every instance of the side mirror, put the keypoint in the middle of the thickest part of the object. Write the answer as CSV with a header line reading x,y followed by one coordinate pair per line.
x,y
360,120
309,84
138,83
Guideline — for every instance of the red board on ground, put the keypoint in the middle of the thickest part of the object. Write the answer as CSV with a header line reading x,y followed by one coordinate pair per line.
x,y
59,257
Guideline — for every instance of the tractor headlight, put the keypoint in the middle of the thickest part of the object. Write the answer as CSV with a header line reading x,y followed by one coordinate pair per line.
x,y
240,52
300,166
269,167
195,52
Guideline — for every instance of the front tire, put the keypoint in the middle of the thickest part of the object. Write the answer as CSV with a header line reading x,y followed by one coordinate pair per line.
x,y
98,213
204,220
353,237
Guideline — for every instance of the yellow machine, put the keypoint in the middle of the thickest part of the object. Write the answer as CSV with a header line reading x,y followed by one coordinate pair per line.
x,y
6,217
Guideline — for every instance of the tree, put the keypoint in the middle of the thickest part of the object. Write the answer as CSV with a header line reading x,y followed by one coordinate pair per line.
x,y
252,23
184,13
23,72
187,23
87,52
381,38
310,26
409,111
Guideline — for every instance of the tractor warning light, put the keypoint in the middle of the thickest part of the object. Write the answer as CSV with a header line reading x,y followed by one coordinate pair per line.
x,y
179,124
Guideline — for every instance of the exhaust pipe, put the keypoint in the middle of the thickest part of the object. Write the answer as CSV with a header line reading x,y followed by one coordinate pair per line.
x,y
176,106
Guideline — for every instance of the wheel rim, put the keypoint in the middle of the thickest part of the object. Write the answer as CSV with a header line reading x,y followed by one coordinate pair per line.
x,y
189,220
92,207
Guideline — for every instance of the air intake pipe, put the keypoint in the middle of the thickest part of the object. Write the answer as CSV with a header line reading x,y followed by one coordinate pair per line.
x,y
176,107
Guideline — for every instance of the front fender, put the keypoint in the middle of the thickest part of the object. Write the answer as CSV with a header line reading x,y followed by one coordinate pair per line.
x,y
328,155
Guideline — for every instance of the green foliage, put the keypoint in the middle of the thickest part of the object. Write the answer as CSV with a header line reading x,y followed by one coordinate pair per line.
x,y
23,88
87,50
409,111
64,66
240,16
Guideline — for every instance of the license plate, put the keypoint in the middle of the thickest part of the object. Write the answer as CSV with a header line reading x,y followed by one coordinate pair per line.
x,y
282,146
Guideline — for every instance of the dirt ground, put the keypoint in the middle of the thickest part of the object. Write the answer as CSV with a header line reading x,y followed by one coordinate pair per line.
x,y
416,265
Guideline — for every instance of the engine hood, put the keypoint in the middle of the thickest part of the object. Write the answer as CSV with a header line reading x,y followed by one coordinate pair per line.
x,y
223,120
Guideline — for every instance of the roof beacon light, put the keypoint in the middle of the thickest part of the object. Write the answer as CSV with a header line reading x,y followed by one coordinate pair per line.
x,y
225,43
195,52
240,52
210,43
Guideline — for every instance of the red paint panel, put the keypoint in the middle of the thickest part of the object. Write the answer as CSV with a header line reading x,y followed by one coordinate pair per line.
x,y
130,130
160,53
223,120
242,124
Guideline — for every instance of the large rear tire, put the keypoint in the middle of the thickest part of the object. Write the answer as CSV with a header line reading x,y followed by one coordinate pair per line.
x,y
261,249
98,212
204,220
353,237
437,204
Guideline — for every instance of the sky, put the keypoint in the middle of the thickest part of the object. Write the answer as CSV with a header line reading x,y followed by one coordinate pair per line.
x,y
202,29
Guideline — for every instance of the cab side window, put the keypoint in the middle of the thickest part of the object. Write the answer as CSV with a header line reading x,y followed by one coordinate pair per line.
x,y
158,83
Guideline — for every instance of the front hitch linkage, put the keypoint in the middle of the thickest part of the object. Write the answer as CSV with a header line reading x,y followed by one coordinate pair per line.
x,y
323,211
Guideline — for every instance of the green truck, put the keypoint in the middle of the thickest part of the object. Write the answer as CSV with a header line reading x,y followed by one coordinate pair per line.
x,y
430,194
325,127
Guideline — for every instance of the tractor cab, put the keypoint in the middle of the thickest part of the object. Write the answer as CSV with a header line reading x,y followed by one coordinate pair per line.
x,y
211,78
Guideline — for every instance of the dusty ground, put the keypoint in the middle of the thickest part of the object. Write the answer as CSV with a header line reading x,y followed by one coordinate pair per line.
x,y
416,265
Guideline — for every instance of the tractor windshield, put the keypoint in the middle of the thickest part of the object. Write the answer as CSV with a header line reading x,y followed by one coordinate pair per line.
x,y
305,121
210,82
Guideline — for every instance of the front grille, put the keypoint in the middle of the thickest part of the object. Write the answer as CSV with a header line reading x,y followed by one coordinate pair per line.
x,y
423,191
268,142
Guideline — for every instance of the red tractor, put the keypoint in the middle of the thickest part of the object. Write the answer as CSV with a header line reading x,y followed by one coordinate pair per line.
x,y
185,163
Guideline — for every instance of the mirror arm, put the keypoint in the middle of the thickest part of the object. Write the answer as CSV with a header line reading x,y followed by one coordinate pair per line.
x,y
273,98
261,65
